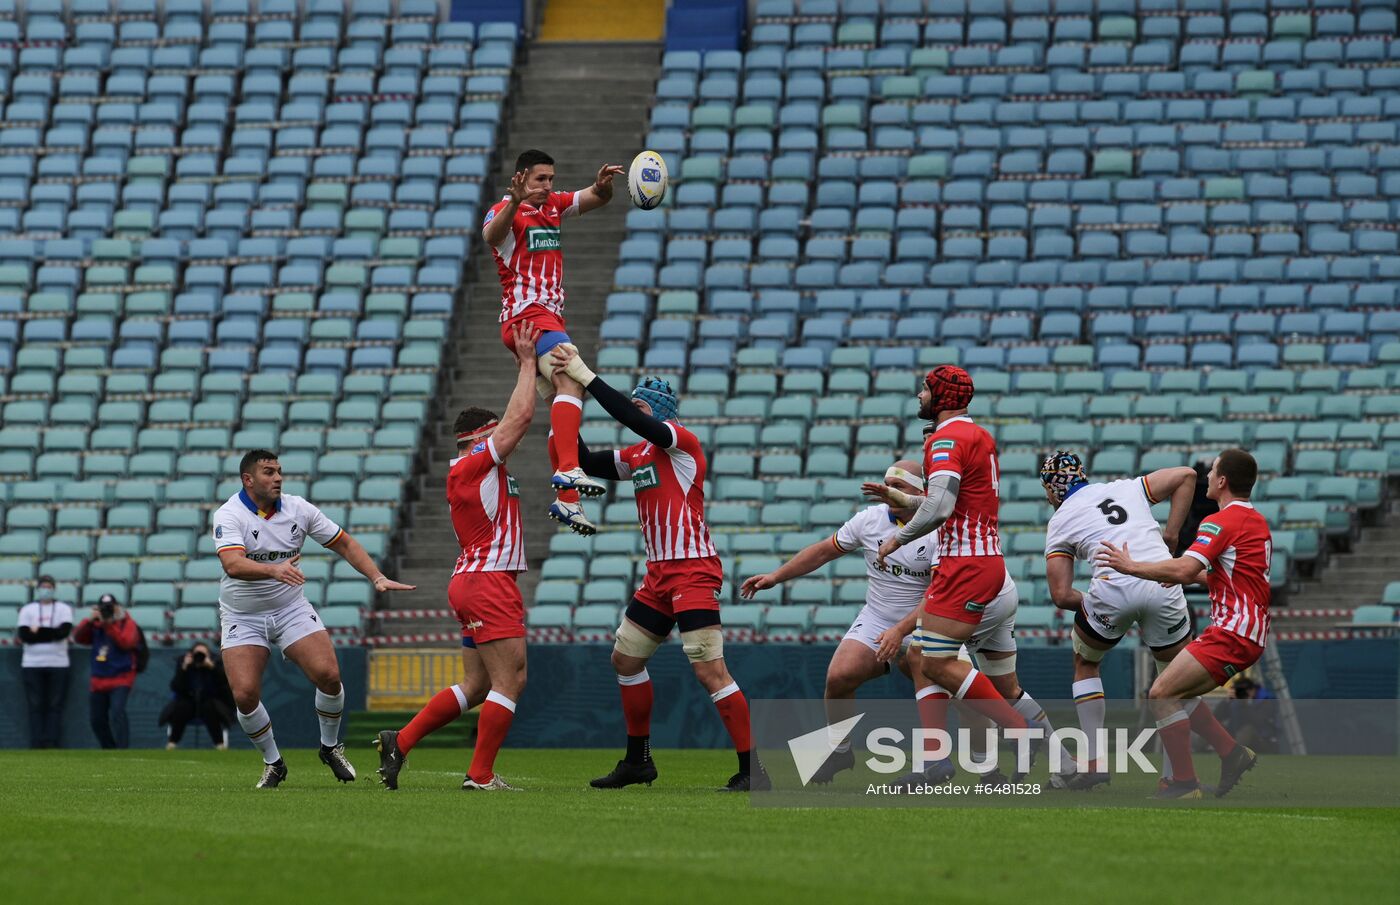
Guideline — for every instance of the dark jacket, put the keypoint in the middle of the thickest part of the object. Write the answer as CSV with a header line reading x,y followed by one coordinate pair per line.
x,y
197,685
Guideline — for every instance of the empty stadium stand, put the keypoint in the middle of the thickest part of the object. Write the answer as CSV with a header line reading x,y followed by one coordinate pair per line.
x,y
223,227
1151,230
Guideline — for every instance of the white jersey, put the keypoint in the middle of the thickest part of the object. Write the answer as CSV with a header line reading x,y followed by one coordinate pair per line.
x,y
270,537
45,614
1119,511
895,590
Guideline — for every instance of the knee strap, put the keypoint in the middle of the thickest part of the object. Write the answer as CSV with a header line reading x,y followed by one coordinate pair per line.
x,y
1002,667
631,641
1091,654
703,644
932,644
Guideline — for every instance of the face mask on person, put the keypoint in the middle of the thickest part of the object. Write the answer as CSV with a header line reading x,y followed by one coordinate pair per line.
x,y
45,594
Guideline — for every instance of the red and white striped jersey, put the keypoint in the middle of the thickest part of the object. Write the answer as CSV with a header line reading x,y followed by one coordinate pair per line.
x,y
530,260
670,488
485,504
1237,548
967,452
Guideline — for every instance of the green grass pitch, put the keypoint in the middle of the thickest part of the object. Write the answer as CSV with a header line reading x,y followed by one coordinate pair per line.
x,y
187,826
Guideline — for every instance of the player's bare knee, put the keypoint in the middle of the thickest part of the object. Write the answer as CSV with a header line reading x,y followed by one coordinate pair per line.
x,y
246,699
841,683
712,674
1160,691
627,665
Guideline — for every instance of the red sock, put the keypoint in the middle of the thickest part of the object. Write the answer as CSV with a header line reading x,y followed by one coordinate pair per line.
x,y
637,697
733,709
1176,738
1204,724
563,496
932,702
491,729
565,417
989,702
445,707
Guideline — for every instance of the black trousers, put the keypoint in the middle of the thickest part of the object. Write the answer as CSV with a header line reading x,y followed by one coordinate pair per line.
x,y
46,690
107,714
180,712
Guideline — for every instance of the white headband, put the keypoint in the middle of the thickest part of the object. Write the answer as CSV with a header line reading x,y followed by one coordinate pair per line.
x,y
895,473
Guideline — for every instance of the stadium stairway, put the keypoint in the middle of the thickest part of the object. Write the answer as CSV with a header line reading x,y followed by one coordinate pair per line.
x,y
586,104
1354,578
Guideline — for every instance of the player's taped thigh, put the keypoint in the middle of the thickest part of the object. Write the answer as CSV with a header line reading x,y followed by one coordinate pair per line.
x,y
1003,666
631,641
1084,650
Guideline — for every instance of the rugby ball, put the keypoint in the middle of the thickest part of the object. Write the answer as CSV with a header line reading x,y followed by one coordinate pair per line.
x,y
646,180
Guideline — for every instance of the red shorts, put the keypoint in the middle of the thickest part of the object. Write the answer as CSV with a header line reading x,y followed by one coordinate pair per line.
x,y
536,316
675,586
488,605
963,586
1223,653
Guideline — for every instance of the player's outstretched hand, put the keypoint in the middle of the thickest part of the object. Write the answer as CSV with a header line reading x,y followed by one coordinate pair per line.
x,y
886,549
877,492
289,573
517,190
1114,557
382,584
755,583
523,336
606,174
889,643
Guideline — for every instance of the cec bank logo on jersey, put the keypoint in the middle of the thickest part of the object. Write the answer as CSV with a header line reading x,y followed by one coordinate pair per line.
x,y
542,238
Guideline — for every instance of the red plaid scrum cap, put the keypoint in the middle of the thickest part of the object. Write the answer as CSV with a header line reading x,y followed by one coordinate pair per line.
x,y
951,387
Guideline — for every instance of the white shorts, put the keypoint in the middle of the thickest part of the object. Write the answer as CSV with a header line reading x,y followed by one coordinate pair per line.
x,y
282,627
1111,608
996,632
872,622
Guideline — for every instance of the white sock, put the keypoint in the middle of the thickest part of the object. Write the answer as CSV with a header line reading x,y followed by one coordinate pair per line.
x,y
328,711
1089,703
258,725
1029,708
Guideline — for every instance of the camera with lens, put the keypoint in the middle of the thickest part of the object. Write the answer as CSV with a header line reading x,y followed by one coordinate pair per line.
x,y
107,606
198,658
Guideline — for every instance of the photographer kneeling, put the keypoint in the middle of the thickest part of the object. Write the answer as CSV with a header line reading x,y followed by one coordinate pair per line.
x,y
200,692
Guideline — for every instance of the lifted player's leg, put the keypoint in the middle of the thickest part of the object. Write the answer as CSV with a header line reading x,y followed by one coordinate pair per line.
x,y
315,655
565,419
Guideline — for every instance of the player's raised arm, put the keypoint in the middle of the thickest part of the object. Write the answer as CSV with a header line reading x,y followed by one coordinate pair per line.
x,y
807,560
1181,570
352,552
521,408
498,223
1178,485
601,191
651,429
